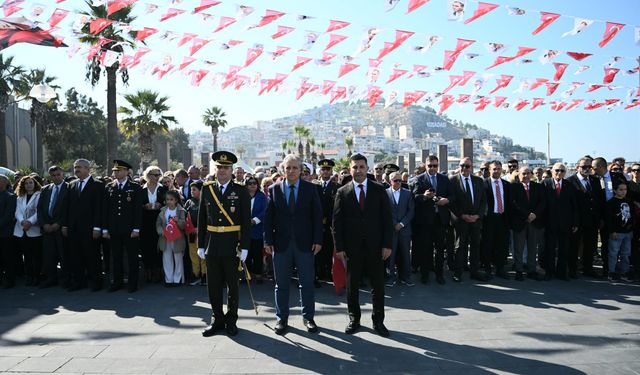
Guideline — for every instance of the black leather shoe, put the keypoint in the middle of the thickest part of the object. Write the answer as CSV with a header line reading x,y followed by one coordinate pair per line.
x,y
479,277
114,288
232,329
519,276
132,289
533,275
311,325
352,327
457,277
503,274
212,329
316,283
440,279
280,328
381,329
424,278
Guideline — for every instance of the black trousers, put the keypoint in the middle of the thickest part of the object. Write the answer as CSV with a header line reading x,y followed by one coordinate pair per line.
x,y
324,259
222,271
8,252
31,249
432,243
53,251
119,244
151,257
84,259
588,238
254,258
468,242
362,262
495,237
556,251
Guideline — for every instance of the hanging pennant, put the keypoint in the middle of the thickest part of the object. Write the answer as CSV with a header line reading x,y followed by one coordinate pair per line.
x,y
574,104
483,8
397,73
171,12
145,33
609,75
334,39
282,31
579,24
374,94
300,61
578,56
338,93
252,55
546,19
270,16
224,23
453,81
539,82
204,4
537,102
412,97
499,101
197,76
520,103
196,45
450,58
415,4
57,16
445,102
466,76
186,61
610,31
560,69
552,87
187,37
502,82
115,6
336,25
346,68
462,44
97,25
327,86
482,103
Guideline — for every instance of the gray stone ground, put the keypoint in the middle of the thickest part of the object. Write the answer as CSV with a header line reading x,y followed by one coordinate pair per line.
x,y
506,327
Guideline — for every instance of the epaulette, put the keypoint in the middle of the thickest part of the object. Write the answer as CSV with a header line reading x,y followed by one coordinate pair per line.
x,y
208,183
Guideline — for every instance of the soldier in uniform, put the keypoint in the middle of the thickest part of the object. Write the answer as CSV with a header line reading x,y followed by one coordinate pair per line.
x,y
225,215
122,223
327,190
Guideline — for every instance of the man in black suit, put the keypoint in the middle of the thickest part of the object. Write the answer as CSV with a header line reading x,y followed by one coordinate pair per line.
x,y
469,208
495,229
327,190
432,194
362,232
122,223
83,226
562,220
402,212
293,235
527,209
589,197
7,220
52,208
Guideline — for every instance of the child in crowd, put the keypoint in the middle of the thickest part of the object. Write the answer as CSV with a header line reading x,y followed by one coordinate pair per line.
x,y
619,222
199,266
172,250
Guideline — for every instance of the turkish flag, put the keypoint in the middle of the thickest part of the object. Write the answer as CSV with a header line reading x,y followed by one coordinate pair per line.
x,y
594,105
466,76
224,23
339,269
205,4
327,86
483,8
338,93
445,102
116,5
397,73
450,58
546,19
252,55
499,100
374,63
560,68
574,104
196,45
186,61
270,16
171,12
302,90
499,61
521,103
374,93
300,60
334,39
346,68
557,105
502,82
609,75
579,56
19,30
57,17
453,81
197,76
415,4
463,98
594,87
633,104
401,37
186,38
145,33
610,31
539,82
412,97
282,31
537,102
482,103
280,50
522,51
463,43
97,25
336,25
552,87
172,232
417,68
388,48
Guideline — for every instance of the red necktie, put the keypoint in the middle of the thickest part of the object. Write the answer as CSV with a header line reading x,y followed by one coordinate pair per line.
x,y
499,198
526,190
361,196
558,188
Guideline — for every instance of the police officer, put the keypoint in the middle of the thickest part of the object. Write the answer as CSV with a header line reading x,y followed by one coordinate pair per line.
x,y
225,216
122,222
327,190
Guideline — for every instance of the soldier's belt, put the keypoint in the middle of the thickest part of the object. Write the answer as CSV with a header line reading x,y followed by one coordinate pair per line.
x,y
223,229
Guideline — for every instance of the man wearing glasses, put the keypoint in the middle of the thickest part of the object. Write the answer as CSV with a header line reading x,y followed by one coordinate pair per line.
x,y
469,207
562,221
590,205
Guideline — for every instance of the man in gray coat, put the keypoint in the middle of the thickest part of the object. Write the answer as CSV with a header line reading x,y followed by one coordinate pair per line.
x,y
402,209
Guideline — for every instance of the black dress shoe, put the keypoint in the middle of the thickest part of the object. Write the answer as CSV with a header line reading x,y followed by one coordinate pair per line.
x,y
519,276
316,283
424,278
440,279
457,277
503,274
212,329
352,327
280,328
479,276
533,275
232,329
132,288
114,288
381,329
311,325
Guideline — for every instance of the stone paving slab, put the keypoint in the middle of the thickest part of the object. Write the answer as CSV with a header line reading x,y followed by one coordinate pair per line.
x,y
506,327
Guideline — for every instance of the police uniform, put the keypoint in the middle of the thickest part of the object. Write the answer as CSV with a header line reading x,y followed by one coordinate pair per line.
x,y
327,192
122,217
226,219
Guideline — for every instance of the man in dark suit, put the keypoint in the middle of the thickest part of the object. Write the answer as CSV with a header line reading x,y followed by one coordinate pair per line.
x,y
293,235
7,220
83,226
402,211
362,232
224,227
495,228
589,197
527,208
122,223
432,194
468,208
562,220
327,189
52,209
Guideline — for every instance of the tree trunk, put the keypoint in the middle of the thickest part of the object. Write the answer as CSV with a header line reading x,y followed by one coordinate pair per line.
x,y
113,135
214,132
3,139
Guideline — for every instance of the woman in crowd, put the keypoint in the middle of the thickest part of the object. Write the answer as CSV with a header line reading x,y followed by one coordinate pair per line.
x,y
172,249
258,209
167,180
264,185
27,229
153,197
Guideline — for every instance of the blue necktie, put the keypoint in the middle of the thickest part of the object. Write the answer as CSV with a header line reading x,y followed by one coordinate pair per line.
x,y
52,203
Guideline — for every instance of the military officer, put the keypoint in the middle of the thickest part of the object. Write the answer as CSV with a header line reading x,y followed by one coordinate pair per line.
x,y
327,190
122,222
225,215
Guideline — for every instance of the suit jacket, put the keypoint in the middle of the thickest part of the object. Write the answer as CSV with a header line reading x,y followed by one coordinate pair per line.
x,y
7,213
304,224
27,211
562,212
352,225
327,197
425,209
122,208
260,202
161,195
590,202
462,205
85,208
60,208
403,211
505,186
521,206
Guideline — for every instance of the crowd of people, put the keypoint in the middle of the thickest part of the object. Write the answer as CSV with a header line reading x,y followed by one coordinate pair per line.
x,y
74,231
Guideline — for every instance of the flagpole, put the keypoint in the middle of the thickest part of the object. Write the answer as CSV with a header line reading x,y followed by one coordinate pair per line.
x,y
548,143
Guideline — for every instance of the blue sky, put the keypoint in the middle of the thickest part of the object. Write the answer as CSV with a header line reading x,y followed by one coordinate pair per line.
x,y
574,133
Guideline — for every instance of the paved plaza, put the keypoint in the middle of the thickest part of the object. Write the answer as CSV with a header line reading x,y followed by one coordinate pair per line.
x,y
505,327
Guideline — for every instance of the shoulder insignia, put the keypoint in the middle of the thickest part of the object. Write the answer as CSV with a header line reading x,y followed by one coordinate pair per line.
x,y
208,183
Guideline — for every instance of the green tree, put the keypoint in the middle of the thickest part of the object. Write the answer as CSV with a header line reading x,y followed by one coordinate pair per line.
x,y
10,76
110,39
178,143
145,118
348,141
214,118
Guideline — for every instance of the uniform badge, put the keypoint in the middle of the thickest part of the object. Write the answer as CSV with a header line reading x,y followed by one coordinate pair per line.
x,y
232,209
128,199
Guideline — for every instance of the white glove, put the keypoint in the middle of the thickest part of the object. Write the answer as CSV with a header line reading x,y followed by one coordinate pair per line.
x,y
201,253
243,254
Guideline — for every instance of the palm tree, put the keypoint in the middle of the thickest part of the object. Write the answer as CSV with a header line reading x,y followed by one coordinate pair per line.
x,y
322,145
145,119
240,150
117,40
214,118
10,76
349,142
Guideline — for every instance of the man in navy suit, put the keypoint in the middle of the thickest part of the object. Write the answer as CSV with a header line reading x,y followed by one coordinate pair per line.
x,y
402,209
432,193
495,229
293,235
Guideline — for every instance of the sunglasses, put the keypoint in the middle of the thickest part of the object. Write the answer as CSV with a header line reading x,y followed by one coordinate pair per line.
x,y
616,170
397,181
465,166
155,174
559,170
432,165
251,183
483,169
585,167
378,169
635,170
